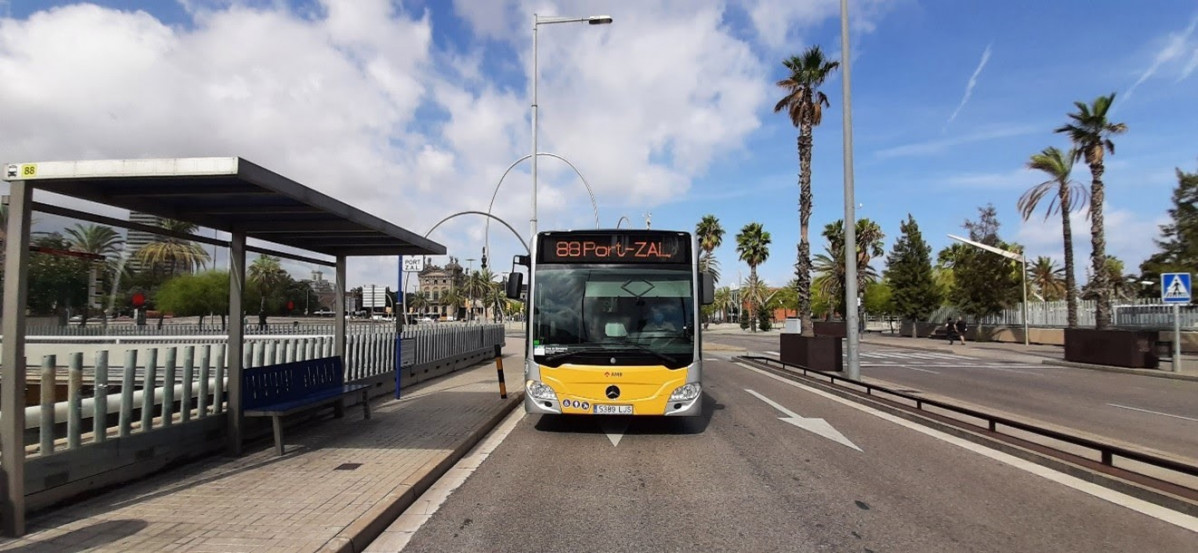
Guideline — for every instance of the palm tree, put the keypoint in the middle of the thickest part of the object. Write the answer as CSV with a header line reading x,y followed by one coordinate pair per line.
x,y
478,286
804,106
711,236
1049,278
1069,196
831,267
753,245
723,301
1090,132
174,254
266,275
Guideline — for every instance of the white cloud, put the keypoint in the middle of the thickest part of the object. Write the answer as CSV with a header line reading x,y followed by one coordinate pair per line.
x,y
331,98
1175,46
973,81
778,21
1129,237
944,144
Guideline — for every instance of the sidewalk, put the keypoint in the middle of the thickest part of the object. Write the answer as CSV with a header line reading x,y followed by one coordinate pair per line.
x,y
341,482
1032,353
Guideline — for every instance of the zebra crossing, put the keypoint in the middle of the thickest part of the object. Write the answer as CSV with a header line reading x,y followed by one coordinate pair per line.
x,y
905,356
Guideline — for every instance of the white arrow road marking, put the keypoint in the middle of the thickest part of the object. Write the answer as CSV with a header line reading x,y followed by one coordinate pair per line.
x,y
816,426
1153,510
614,427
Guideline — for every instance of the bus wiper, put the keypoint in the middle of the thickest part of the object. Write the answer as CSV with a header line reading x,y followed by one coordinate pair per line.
x,y
671,360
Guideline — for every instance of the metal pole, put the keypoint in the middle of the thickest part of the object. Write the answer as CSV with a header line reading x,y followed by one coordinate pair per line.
x,y
13,369
236,342
1176,338
1025,337
850,221
533,221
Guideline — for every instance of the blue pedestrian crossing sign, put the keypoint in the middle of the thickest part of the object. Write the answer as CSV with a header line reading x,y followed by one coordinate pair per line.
x,y
1175,288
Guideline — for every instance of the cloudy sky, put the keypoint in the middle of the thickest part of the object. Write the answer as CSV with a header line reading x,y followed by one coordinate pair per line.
x,y
413,109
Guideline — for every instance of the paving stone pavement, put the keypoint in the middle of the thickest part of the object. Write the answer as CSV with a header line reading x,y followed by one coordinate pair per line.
x,y
340,483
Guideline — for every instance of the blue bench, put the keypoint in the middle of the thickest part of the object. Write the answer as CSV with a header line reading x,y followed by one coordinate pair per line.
x,y
276,391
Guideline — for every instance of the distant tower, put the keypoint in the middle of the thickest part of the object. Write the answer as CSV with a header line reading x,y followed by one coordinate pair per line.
x,y
137,238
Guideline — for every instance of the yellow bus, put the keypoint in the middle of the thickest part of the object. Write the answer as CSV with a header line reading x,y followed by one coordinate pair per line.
x,y
613,323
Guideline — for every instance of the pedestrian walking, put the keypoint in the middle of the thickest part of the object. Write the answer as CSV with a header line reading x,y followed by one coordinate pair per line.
x,y
950,330
961,328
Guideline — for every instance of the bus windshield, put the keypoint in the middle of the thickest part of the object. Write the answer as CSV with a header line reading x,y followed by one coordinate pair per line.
x,y
625,315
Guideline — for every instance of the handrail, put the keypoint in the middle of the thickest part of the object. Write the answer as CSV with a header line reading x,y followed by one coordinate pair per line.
x,y
1107,450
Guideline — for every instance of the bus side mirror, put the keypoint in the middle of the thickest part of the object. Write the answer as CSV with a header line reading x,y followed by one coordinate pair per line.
x,y
515,284
707,292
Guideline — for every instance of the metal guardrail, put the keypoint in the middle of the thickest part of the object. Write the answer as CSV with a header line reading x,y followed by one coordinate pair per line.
x,y
1107,451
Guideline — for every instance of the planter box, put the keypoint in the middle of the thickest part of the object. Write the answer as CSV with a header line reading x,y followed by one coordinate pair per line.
x,y
821,353
828,328
1120,348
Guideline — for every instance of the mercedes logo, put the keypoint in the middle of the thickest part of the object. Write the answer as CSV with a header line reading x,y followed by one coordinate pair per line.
x,y
612,392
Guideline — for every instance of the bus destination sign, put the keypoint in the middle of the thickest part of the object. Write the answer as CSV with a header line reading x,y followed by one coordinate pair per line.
x,y
615,248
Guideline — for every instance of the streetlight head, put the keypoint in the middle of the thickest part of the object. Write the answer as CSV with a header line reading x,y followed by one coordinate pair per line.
x,y
599,20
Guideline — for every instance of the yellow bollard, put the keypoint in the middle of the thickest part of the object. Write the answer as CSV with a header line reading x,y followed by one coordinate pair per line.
x,y
499,369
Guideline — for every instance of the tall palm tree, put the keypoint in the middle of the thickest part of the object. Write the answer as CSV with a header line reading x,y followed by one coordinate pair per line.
x,y
1069,196
1049,278
171,254
1090,132
478,286
753,245
711,236
804,103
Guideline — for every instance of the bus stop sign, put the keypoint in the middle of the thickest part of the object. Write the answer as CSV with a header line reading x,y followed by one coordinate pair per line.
x,y
1175,288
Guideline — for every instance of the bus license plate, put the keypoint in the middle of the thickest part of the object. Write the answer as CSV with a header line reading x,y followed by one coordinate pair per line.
x,y
613,409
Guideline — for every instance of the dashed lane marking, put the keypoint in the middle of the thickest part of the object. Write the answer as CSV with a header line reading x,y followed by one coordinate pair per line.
x,y
1152,412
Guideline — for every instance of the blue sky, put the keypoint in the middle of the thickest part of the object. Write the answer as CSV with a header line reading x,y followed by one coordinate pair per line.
x,y
412,110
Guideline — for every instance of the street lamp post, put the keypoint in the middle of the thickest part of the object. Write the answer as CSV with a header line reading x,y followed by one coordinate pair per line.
x,y
537,21
1009,255
852,339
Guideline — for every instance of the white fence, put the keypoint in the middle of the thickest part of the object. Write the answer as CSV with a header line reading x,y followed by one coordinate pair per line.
x,y
188,381
1137,313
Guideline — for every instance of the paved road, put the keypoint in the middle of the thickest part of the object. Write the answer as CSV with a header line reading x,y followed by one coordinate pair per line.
x,y
1155,413
741,479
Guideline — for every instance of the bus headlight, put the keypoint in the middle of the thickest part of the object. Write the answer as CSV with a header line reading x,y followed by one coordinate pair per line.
x,y
540,390
686,392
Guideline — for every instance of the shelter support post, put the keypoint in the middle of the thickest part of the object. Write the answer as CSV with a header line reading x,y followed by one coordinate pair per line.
x,y
236,340
12,393
339,312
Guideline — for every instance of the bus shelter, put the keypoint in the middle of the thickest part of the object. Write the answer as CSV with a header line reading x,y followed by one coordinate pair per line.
x,y
226,193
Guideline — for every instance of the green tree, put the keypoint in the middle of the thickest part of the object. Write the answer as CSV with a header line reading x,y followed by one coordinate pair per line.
x,y
914,291
804,104
753,246
57,283
985,283
1178,243
1069,196
1090,131
1048,278
195,295
878,299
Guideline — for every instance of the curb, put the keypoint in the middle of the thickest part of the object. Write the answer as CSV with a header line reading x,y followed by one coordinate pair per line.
x,y
360,533
1155,373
